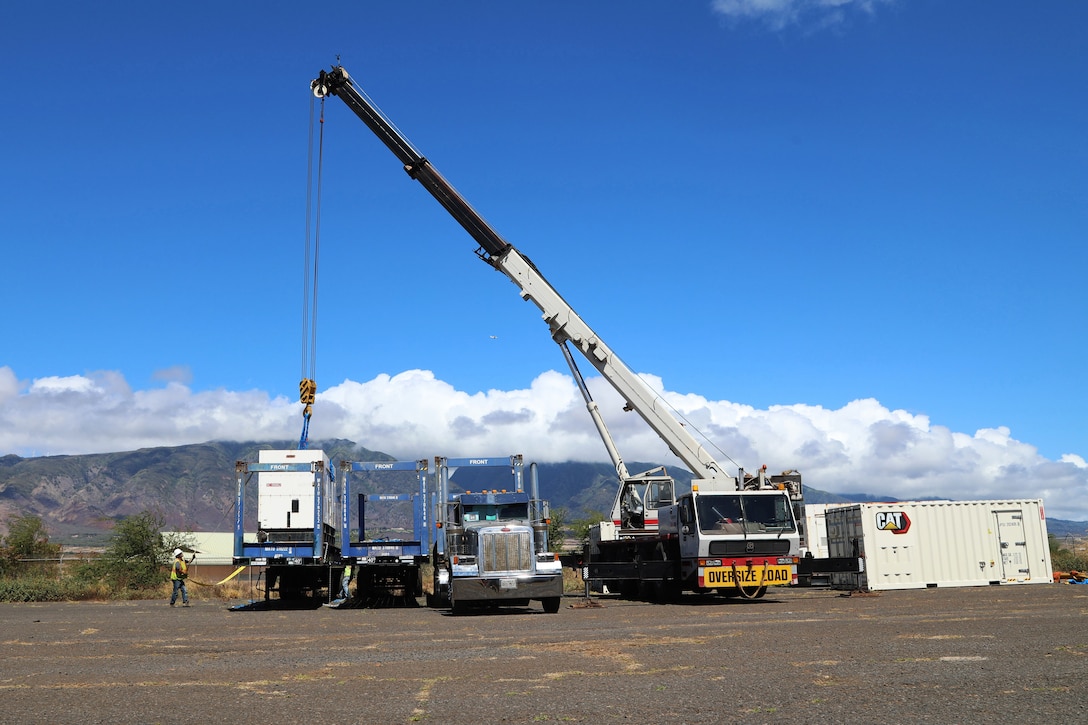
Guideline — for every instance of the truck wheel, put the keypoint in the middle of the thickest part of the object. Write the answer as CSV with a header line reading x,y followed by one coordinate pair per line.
x,y
669,592
551,604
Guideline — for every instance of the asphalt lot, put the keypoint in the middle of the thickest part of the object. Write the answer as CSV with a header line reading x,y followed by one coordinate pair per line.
x,y
995,654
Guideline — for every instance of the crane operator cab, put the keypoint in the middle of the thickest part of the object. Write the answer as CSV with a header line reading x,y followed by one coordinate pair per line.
x,y
640,497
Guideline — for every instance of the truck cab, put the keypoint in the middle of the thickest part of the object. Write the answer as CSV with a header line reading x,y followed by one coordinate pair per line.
x,y
494,548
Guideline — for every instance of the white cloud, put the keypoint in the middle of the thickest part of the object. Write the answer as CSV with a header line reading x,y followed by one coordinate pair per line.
x,y
59,386
174,374
778,14
860,447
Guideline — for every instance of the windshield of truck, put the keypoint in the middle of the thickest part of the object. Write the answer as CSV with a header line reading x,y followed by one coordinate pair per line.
x,y
740,513
496,512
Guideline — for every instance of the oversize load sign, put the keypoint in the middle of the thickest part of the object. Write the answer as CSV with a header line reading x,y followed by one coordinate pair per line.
x,y
748,576
896,522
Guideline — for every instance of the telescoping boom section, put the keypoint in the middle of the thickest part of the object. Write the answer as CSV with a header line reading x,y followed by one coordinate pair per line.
x,y
563,321
679,551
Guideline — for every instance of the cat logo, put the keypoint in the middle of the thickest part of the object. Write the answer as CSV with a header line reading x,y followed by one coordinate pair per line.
x,y
896,522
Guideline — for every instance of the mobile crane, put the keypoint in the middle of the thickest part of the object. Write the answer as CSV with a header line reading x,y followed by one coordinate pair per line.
x,y
732,534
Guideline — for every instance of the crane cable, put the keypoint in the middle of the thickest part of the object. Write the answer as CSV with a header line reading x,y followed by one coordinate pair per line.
x,y
307,387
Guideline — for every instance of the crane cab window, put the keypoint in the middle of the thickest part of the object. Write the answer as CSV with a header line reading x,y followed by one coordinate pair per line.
x,y
744,514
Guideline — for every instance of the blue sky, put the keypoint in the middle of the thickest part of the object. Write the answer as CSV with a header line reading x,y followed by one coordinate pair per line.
x,y
842,236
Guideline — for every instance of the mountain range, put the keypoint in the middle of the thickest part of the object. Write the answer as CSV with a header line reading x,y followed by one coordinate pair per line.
x,y
193,487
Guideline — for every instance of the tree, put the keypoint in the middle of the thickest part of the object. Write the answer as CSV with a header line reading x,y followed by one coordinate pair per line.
x,y
26,540
138,555
557,528
580,527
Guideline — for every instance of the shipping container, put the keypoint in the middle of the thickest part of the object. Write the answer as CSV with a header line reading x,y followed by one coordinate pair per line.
x,y
919,544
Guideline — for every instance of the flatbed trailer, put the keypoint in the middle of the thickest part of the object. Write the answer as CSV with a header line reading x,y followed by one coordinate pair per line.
x,y
296,542
387,568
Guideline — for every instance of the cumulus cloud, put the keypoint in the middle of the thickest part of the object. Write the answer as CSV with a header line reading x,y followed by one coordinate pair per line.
x,y
778,14
862,447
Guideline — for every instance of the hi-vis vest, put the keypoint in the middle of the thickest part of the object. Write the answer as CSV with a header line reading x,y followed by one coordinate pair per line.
x,y
179,570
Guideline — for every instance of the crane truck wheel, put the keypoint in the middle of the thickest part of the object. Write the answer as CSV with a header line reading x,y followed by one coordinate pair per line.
x,y
551,604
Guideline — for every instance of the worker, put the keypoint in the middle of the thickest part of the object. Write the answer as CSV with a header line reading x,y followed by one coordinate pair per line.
x,y
345,582
179,572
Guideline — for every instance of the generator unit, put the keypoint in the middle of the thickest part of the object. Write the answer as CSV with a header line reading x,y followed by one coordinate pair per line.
x,y
292,504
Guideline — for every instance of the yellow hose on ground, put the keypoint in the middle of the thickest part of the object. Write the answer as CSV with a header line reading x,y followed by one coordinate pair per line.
x,y
206,584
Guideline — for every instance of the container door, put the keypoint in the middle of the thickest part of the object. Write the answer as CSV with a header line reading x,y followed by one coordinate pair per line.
x,y
1014,546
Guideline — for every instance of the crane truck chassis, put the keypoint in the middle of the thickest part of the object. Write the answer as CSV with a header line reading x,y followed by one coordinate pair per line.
x,y
687,547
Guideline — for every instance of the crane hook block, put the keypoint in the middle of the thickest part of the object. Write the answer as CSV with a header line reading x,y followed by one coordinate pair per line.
x,y
307,390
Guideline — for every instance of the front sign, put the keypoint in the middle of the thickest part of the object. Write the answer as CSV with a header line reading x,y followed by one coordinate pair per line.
x,y
754,576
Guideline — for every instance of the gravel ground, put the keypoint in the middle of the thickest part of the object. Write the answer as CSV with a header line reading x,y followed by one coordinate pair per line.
x,y
995,654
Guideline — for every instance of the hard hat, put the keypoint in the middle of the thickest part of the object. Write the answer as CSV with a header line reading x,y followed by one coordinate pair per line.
x,y
177,552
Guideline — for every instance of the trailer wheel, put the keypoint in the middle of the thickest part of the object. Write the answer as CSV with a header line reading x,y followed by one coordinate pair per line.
x,y
551,604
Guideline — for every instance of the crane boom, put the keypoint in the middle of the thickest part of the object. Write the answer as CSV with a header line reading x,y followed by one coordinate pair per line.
x,y
564,323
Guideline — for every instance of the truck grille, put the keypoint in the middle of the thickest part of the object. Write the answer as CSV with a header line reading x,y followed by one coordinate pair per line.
x,y
759,547
505,551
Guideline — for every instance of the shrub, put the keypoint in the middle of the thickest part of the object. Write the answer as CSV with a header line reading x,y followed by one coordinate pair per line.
x,y
41,589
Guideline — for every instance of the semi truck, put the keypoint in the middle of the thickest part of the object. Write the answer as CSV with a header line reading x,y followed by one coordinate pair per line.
x,y
734,535
493,547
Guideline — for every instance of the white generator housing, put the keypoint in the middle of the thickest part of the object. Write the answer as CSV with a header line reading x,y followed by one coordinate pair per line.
x,y
920,544
285,499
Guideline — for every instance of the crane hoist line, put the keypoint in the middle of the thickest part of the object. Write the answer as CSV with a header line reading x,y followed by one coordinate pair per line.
x,y
307,387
